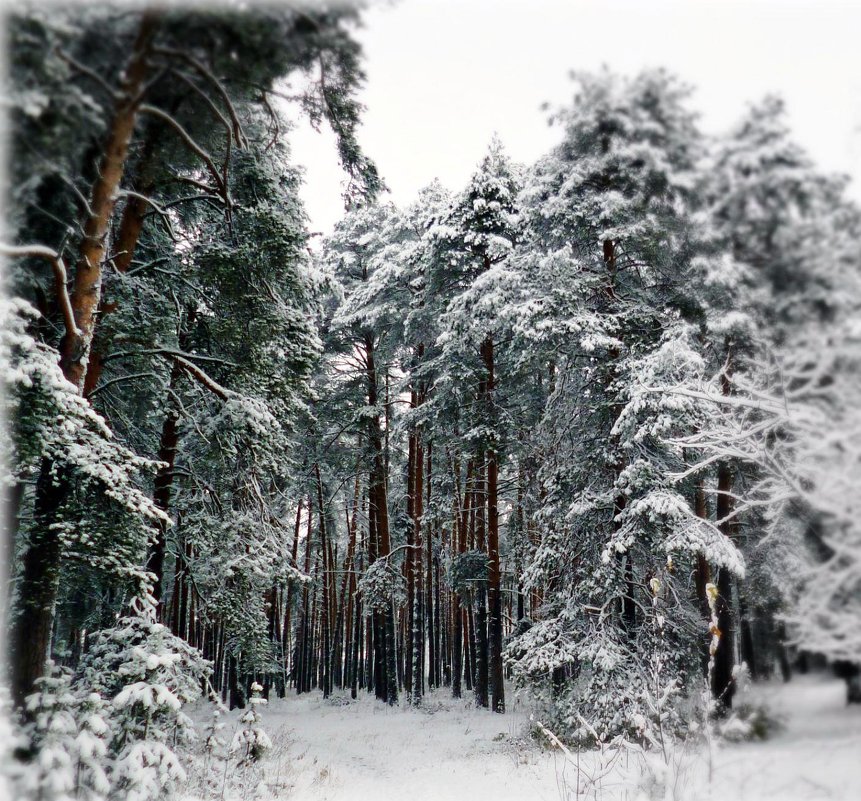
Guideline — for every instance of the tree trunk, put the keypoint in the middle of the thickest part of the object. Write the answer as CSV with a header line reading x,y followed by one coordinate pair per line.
x,y
127,238
302,659
342,617
702,578
459,543
481,644
162,489
325,616
748,653
723,684
429,603
86,286
38,581
38,584
494,588
286,633
416,557
389,668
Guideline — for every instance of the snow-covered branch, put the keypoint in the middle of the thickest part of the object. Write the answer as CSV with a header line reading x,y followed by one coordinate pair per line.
x,y
60,277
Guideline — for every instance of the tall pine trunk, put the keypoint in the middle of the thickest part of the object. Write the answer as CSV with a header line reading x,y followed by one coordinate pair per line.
x,y
325,615
386,624
481,649
459,546
38,580
494,588
416,557
723,684
162,489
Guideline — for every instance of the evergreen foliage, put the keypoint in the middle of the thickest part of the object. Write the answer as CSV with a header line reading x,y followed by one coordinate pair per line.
x,y
589,424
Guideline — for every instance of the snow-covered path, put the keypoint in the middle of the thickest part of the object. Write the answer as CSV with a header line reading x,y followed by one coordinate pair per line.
x,y
448,750
339,750
815,755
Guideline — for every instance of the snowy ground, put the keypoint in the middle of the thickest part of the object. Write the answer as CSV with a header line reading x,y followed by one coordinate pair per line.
x,y
816,755
447,750
338,750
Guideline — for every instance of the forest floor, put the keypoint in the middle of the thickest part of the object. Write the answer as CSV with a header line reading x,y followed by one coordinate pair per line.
x,y
342,750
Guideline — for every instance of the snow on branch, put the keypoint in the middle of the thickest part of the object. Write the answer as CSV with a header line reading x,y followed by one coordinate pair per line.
x,y
60,277
231,133
185,363
200,376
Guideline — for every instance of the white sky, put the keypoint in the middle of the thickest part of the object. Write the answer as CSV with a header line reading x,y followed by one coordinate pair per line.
x,y
443,75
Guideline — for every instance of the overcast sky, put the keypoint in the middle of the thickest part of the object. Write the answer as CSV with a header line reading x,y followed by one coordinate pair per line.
x,y
443,75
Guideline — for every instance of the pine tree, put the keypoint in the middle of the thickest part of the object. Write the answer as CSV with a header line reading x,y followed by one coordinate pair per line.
x,y
473,241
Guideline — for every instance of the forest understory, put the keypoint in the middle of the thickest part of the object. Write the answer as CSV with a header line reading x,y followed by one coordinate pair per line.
x,y
544,467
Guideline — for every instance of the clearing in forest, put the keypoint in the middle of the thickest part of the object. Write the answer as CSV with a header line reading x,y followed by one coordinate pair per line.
x,y
342,750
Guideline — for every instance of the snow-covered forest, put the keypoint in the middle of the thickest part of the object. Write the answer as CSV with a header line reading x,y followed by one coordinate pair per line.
x,y
550,477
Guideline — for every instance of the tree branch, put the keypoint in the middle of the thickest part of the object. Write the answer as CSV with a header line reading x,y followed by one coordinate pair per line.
x,y
158,209
87,72
191,144
168,352
276,125
203,71
231,132
60,277
120,379
199,375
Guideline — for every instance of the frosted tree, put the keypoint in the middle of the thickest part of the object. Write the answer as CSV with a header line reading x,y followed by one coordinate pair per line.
x,y
147,675
610,211
174,107
53,423
764,287
472,243
789,420
251,742
52,733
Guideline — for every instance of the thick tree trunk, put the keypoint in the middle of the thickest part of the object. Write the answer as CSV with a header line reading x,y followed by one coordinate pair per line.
x,y
86,286
457,650
38,581
389,666
126,241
